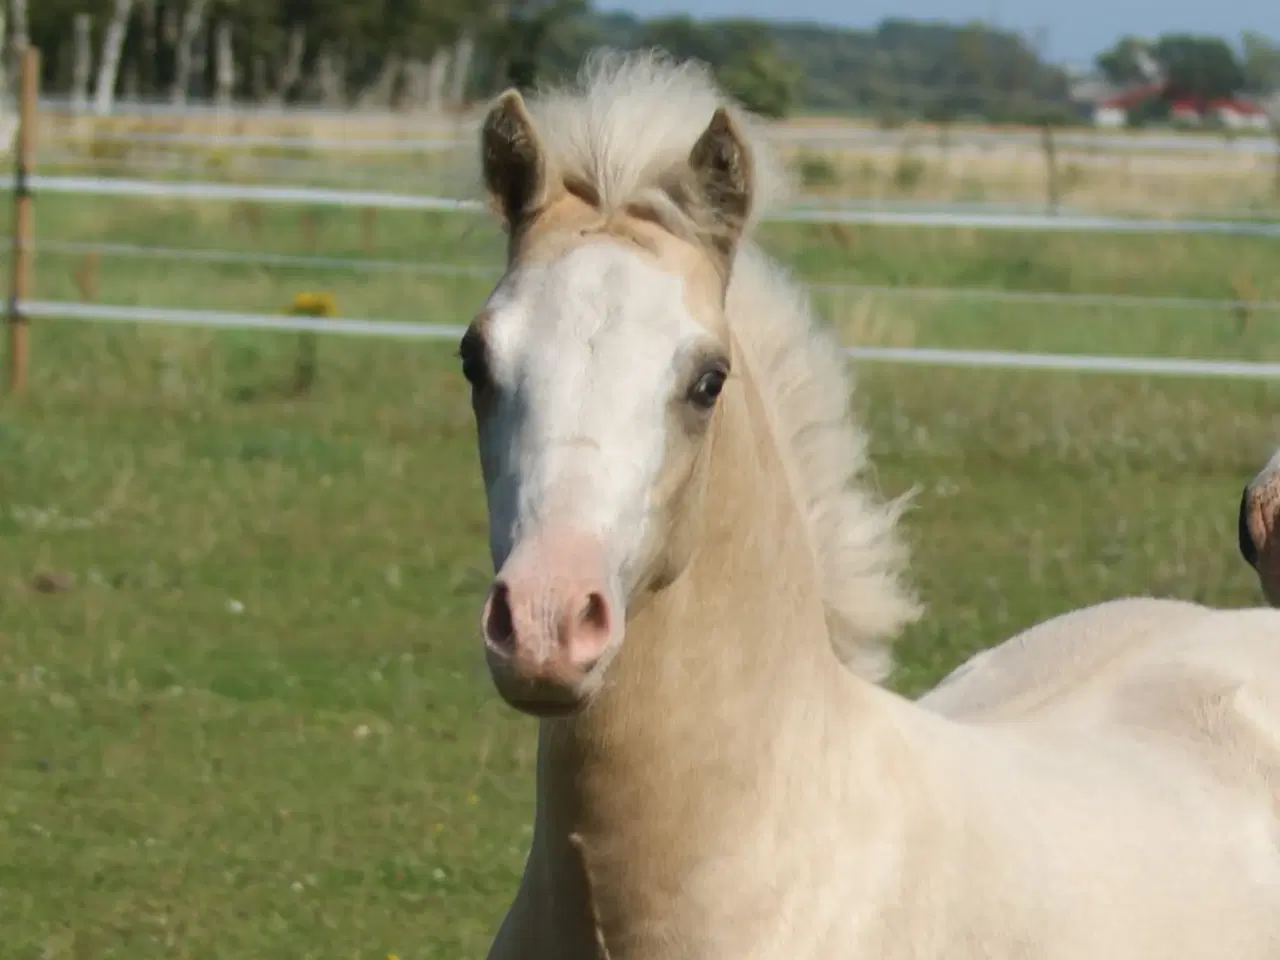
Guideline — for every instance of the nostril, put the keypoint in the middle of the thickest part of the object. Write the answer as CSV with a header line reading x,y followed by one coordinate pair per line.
x,y
585,634
1248,549
594,614
499,630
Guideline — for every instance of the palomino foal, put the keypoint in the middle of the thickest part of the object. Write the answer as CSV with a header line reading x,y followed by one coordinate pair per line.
x,y
694,593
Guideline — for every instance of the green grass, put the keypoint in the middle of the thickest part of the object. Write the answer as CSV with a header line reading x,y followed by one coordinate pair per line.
x,y
257,724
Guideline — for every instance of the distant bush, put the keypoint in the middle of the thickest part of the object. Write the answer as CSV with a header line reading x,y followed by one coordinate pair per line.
x,y
1073,176
908,173
816,170
890,118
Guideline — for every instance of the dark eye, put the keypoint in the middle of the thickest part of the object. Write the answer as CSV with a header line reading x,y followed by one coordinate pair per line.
x,y
706,389
471,352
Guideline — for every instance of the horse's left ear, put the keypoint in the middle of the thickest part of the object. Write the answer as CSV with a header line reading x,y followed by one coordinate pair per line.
x,y
722,167
513,161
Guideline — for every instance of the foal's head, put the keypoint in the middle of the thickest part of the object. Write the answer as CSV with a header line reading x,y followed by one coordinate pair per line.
x,y
598,367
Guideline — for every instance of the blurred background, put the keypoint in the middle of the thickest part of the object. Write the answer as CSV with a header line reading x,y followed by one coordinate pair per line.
x,y
243,710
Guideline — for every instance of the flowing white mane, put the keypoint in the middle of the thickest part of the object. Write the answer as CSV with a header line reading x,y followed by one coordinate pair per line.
x,y
626,128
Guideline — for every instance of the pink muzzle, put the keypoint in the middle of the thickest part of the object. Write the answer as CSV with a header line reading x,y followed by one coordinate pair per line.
x,y
548,619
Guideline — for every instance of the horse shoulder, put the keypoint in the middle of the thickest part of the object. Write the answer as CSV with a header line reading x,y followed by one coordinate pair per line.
x,y
1218,692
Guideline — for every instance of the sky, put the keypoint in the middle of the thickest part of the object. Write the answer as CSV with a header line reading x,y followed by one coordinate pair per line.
x,y
1075,31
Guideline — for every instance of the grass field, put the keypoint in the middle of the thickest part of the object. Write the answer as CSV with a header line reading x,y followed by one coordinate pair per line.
x,y
243,711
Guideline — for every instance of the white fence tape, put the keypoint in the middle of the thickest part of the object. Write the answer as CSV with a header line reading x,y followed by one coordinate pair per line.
x,y
251,141
123,187
1068,223
1008,360
260,193
1047,297
919,356
217,319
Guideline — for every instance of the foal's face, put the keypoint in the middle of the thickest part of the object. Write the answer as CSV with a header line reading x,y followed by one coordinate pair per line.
x,y
595,380
596,371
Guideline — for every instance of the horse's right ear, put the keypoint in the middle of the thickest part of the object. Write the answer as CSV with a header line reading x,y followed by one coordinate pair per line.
x,y
722,166
511,156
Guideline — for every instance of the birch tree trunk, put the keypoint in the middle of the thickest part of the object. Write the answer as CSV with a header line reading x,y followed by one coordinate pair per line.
x,y
381,91
4,74
8,113
224,65
184,50
437,77
414,90
82,30
291,69
147,68
109,59
199,62
17,39
129,83
330,80
169,27
18,36
258,78
461,71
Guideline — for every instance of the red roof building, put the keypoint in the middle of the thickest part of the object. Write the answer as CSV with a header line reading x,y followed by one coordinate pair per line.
x,y
1232,112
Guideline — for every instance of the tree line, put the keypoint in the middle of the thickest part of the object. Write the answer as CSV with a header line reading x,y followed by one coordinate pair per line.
x,y
1197,67
438,54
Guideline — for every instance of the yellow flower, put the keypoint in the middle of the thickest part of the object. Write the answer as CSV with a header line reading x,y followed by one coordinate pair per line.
x,y
313,305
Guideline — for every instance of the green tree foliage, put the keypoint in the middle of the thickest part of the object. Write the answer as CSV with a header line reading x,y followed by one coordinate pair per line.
x,y
1121,63
1261,63
742,53
523,45
1200,67
902,69
762,82
921,69
1195,67
363,32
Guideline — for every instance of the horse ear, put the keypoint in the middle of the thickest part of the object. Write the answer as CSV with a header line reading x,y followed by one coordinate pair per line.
x,y
722,168
511,156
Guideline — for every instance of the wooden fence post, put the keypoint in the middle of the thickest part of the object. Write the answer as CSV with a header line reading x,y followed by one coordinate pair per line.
x,y
23,217
1049,144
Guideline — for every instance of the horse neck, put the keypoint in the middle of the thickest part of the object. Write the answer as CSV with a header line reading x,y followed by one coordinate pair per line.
x,y
731,639
725,696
